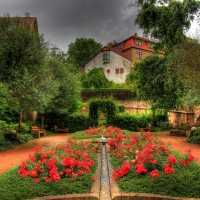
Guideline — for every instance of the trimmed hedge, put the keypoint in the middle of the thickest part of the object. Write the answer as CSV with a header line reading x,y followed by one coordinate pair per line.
x,y
77,122
130,121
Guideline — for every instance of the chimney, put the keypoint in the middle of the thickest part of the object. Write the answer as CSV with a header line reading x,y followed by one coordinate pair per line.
x,y
27,14
135,34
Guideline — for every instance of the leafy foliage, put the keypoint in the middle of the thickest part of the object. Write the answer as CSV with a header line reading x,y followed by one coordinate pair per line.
x,y
166,21
107,106
20,47
157,83
95,78
68,92
80,51
195,137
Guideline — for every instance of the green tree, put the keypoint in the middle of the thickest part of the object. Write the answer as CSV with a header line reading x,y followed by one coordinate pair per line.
x,y
166,21
69,89
21,47
185,61
8,105
80,51
95,78
157,84
34,91
22,52
57,53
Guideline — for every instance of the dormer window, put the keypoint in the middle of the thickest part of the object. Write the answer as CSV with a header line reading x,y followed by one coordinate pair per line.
x,y
106,57
121,45
150,45
138,42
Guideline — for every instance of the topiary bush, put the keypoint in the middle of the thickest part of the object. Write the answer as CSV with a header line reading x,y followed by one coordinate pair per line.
x,y
121,108
107,106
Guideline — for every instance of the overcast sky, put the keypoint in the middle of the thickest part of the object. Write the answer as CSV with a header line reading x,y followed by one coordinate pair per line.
x,y
62,21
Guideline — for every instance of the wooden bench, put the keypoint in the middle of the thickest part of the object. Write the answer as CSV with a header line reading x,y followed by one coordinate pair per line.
x,y
143,129
62,130
36,132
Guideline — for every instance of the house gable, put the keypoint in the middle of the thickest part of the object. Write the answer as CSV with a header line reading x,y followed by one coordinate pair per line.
x,y
116,66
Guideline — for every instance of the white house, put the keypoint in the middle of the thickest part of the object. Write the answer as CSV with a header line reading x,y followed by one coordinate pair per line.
x,y
115,63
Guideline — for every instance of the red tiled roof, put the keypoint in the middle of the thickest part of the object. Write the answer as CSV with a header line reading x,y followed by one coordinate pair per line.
x,y
28,20
118,52
131,43
106,48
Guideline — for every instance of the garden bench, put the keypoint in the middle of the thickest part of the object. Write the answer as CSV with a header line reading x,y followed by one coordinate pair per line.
x,y
143,129
36,132
62,130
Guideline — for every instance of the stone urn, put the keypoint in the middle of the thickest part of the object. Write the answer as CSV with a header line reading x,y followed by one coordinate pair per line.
x,y
13,132
194,128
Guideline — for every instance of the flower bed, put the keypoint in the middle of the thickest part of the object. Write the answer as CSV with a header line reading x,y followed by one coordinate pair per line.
x,y
70,160
143,164
92,132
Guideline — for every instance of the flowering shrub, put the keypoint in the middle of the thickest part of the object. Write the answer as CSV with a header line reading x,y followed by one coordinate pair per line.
x,y
144,154
70,160
109,131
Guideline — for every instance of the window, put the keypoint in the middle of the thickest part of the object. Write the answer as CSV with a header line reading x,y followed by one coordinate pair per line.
x,y
120,46
139,55
119,70
106,57
139,42
150,45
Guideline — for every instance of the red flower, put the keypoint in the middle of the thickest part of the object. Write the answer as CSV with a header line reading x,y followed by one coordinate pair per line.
x,y
183,162
172,159
37,180
33,173
168,169
93,179
154,173
119,155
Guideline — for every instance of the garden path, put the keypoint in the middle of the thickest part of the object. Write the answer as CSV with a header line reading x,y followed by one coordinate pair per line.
x,y
20,153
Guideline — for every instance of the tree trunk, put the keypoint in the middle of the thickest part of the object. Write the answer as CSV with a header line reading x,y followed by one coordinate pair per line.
x,y
42,120
20,121
153,117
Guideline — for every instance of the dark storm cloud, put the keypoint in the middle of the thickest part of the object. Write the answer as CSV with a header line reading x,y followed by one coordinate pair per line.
x,y
62,21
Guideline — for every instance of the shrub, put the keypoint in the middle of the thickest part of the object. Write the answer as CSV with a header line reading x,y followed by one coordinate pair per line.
x,y
107,106
124,121
121,108
164,126
77,122
25,138
195,137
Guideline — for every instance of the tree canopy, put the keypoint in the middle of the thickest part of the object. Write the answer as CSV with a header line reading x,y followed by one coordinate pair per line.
x,y
80,51
69,88
95,78
20,47
166,21
157,83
